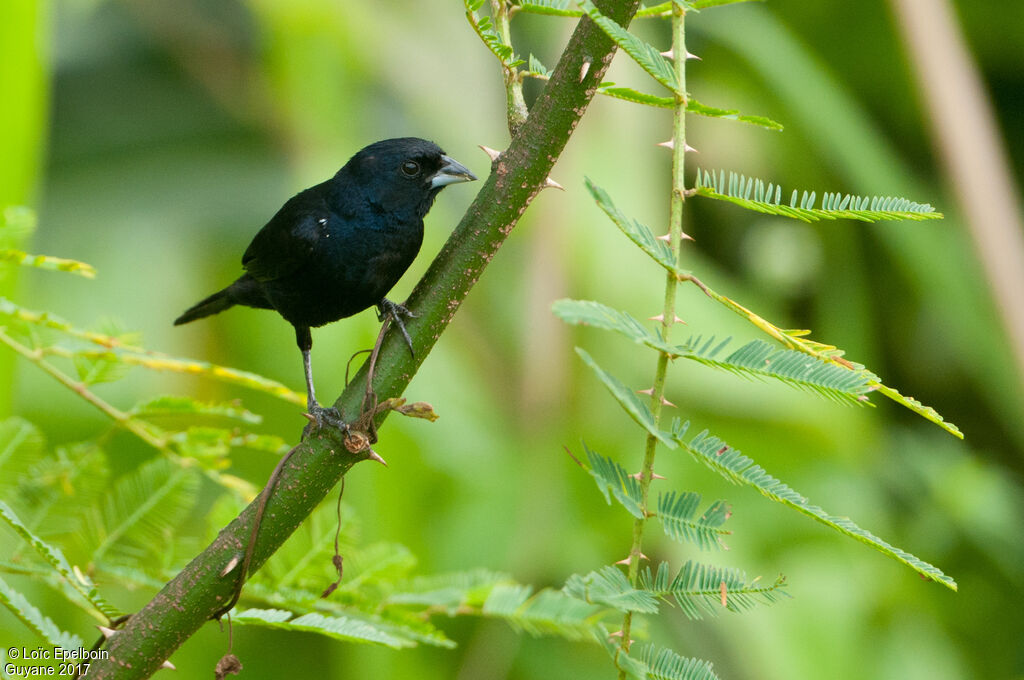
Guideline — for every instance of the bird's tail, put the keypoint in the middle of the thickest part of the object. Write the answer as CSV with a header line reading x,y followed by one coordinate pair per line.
x,y
214,304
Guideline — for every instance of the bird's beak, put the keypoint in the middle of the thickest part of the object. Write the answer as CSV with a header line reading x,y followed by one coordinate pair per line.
x,y
451,172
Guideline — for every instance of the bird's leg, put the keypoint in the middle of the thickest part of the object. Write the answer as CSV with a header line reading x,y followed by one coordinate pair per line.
x,y
320,415
386,309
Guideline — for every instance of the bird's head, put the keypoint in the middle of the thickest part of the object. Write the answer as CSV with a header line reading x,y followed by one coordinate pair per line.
x,y
404,174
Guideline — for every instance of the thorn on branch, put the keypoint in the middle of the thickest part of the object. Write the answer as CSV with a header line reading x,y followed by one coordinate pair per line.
x,y
626,560
639,475
493,154
373,455
552,184
661,318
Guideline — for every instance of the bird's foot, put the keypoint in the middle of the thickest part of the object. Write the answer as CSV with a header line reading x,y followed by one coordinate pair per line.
x,y
387,309
323,416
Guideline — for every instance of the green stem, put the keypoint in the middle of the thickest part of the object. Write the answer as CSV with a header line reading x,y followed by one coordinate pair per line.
x,y
123,419
316,465
669,306
515,104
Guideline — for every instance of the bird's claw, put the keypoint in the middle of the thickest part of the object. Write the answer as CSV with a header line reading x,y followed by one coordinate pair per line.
x,y
324,416
394,311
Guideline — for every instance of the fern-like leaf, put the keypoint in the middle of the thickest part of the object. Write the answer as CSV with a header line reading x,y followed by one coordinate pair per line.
x,y
115,349
597,315
759,359
755,194
549,612
637,97
679,519
336,627
701,589
53,555
21,448
645,55
41,625
796,340
650,663
841,382
141,511
692,106
558,8
734,466
484,27
609,587
173,406
57,264
636,409
638,233
449,592
613,480
536,69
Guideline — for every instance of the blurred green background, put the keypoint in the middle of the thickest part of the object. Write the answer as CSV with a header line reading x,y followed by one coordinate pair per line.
x,y
155,138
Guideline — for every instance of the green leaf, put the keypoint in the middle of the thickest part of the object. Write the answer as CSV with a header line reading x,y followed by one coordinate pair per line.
x,y
635,96
41,625
55,558
794,339
549,612
336,627
484,28
734,466
57,264
754,194
701,589
638,233
609,587
139,356
304,560
650,663
537,69
377,563
558,8
597,315
756,359
55,491
645,55
612,477
760,359
694,106
140,514
678,515
21,448
173,406
450,592
664,664
636,409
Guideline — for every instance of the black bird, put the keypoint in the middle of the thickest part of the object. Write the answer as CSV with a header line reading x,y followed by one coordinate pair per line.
x,y
337,248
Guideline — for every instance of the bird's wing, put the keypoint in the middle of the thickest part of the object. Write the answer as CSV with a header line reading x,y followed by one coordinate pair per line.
x,y
289,239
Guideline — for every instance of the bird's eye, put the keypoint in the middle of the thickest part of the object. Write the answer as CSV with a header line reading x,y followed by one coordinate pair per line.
x,y
410,168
